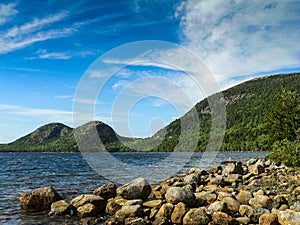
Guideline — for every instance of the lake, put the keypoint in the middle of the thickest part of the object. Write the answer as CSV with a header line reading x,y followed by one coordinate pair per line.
x,y
71,175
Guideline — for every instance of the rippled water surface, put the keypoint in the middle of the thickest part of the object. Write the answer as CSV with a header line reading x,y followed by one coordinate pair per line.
x,y
71,176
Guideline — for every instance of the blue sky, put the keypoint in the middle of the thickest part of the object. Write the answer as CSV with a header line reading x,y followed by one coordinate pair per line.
x,y
47,46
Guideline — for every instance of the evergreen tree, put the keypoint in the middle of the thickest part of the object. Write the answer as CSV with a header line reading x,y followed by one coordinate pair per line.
x,y
285,127
284,116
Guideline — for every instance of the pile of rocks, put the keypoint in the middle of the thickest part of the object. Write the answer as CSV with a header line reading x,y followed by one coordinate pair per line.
x,y
254,192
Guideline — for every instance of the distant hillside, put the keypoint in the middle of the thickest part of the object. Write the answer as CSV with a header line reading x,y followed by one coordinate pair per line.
x,y
247,125
56,137
247,105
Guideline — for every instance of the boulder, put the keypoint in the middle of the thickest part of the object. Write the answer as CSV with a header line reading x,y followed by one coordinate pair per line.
x,y
288,217
175,195
106,191
165,210
156,203
260,201
256,169
244,197
234,168
96,200
196,216
39,199
61,208
218,206
114,204
136,189
232,204
268,219
205,198
129,211
191,178
246,210
87,210
178,213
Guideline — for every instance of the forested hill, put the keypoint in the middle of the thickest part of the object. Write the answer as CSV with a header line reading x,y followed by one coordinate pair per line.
x,y
247,125
247,107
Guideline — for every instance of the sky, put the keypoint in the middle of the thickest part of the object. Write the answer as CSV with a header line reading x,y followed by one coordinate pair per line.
x,y
49,49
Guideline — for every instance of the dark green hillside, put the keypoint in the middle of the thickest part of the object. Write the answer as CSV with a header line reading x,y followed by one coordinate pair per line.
x,y
57,137
247,105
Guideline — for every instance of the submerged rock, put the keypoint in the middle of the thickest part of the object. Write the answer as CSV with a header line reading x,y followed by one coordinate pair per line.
x,y
61,208
39,199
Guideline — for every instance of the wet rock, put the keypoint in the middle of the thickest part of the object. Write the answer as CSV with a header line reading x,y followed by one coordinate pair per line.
x,y
165,211
39,199
96,200
175,195
196,217
60,208
87,210
221,218
136,189
268,219
178,213
106,191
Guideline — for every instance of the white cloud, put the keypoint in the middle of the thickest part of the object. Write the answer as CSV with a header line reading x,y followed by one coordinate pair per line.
x,y
21,36
6,12
242,37
64,97
87,101
44,54
141,62
46,114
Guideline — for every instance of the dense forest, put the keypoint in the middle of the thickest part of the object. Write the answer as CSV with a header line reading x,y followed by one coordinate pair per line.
x,y
247,124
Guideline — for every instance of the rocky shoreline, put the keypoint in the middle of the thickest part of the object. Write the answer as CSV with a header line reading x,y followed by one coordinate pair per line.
x,y
253,192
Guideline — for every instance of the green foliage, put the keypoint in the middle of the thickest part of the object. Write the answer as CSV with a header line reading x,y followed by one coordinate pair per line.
x,y
287,152
284,116
285,128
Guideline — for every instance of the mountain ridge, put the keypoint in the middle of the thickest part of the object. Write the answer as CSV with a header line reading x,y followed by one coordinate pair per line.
x,y
246,126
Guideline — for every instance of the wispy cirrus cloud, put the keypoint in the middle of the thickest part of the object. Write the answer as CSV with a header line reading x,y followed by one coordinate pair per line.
x,y
44,54
34,31
7,11
46,114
